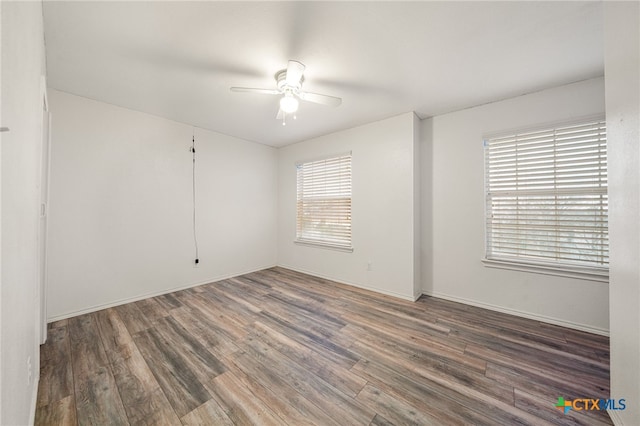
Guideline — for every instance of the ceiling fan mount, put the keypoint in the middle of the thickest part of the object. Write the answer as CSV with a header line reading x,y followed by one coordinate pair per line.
x,y
281,81
289,86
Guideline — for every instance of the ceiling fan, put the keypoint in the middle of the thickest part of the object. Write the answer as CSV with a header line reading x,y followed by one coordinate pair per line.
x,y
289,84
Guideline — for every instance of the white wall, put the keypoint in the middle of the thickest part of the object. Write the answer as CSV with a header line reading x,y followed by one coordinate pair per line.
x,y
453,241
121,206
22,67
382,207
622,76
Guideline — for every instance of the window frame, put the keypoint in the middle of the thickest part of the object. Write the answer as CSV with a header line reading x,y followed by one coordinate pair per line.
x,y
319,242
525,264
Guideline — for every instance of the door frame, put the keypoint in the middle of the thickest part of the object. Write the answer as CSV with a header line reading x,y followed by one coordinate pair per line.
x,y
43,213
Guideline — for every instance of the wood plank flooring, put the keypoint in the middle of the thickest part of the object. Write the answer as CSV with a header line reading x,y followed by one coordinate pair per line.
x,y
278,347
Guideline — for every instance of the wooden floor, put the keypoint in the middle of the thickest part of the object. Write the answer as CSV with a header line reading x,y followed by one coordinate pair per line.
x,y
280,347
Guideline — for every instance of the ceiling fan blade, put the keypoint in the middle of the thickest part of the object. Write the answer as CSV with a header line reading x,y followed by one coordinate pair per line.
x,y
254,90
320,99
295,70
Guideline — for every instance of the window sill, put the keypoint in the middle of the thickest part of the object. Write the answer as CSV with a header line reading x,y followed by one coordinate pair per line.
x,y
324,246
560,271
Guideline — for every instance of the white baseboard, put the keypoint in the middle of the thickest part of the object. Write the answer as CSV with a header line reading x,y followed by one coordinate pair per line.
x,y
523,314
34,398
518,313
615,418
417,295
515,312
364,287
119,302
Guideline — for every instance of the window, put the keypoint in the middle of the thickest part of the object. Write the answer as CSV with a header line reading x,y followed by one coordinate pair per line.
x,y
546,199
324,202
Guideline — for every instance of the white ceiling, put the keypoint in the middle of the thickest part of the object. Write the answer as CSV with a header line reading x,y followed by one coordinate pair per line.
x,y
178,59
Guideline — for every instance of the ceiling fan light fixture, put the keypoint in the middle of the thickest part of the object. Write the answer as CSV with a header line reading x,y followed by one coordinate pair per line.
x,y
288,103
289,82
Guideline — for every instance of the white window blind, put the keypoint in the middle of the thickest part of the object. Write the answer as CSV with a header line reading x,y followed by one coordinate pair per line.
x,y
324,202
546,196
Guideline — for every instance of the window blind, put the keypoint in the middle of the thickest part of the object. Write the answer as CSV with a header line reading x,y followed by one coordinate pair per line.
x,y
546,196
324,201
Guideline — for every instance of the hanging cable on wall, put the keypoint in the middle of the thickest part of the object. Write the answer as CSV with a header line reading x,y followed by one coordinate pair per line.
x,y
193,187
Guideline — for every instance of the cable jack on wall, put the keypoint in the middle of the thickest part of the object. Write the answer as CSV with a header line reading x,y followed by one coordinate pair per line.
x,y
196,262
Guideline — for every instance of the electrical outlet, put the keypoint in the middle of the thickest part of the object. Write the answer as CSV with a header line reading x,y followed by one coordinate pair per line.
x,y
369,266
196,263
29,371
